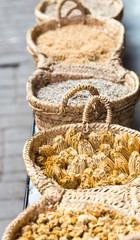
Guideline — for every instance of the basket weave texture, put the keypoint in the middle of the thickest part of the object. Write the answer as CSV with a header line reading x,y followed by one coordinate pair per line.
x,y
110,26
126,199
49,115
44,4
41,181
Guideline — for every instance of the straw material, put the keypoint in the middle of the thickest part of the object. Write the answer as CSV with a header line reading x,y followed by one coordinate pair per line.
x,y
49,115
110,26
44,4
31,148
125,199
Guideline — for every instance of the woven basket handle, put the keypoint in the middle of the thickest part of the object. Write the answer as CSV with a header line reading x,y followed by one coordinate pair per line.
x,y
78,6
89,104
71,92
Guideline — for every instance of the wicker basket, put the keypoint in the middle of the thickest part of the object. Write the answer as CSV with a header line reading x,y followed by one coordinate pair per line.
x,y
110,26
31,148
116,7
73,201
50,115
125,199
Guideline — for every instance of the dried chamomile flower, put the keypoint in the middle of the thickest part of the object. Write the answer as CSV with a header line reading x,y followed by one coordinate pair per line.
x,y
53,171
90,162
134,163
99,157
70,181
84,147
41,160
121,163
60,161
78,165
76,139
107,165
69,154
121,140
105,148
133,144
59,143
87,180
107,137
132,177
99,174
95,140
124,151
27,228
46,151
69,134
98,223
112,154
122,178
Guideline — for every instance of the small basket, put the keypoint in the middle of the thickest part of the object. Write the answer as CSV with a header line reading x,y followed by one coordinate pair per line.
x,y
108,25
49,115
109,195
112,9
44,204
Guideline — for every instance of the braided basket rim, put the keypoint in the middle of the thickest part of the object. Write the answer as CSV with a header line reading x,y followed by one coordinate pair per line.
x,y
39,179
33,211
117,104
42,27
41,7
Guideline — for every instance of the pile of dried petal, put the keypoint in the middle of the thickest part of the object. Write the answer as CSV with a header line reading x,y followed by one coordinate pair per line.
x,y
77,44
53,93
98,160
97,223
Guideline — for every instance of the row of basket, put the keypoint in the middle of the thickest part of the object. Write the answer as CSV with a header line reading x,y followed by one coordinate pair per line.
x,y
49,71
124,198
97,115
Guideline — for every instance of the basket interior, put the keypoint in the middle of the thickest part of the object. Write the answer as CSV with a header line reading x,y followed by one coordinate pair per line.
x,y
110,26
126,81
46,137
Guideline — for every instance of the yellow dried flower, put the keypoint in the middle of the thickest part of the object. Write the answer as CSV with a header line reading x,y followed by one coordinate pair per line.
x,y
68,136
107,138
70,181
84,147
124,151
41,160
59,143
78,165
46,151
134,163
133,144
107,165
69,154
53,171
105,148
76,139
121,163
95,140
121,140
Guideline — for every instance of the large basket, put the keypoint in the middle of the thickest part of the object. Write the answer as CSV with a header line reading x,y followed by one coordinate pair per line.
x,y
48,185
73,201
113,9
125,199
50,115
110,26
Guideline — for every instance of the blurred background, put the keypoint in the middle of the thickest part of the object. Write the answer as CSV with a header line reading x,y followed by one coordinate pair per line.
x,y
16,65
